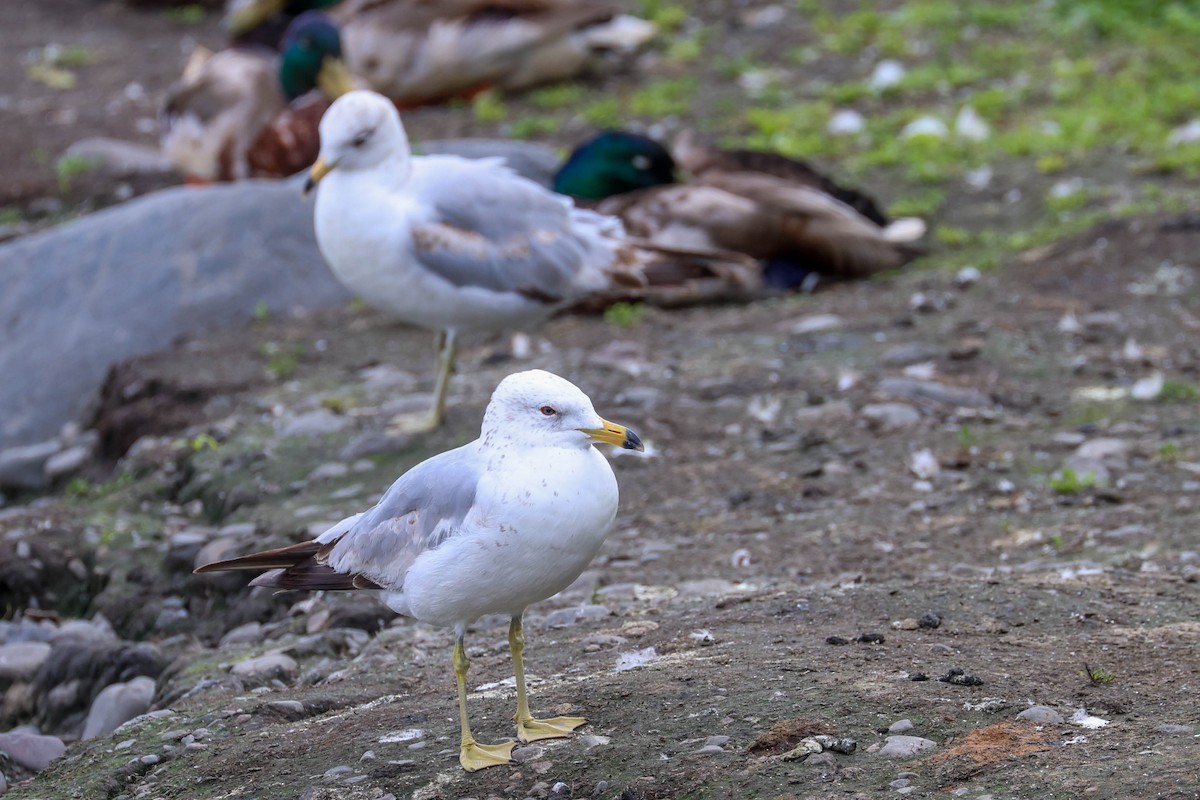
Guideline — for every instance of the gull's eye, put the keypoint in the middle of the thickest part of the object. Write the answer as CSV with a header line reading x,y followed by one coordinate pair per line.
x,y
361,138
548,411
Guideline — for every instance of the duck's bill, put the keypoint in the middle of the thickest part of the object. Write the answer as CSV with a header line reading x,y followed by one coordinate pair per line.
x,y
318,171
612,433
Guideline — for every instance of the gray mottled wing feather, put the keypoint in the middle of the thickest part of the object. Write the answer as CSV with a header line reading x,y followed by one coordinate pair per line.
x,y
424,507
498,231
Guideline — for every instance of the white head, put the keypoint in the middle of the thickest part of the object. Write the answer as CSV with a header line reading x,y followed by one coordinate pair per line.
x,y
540,409
360,130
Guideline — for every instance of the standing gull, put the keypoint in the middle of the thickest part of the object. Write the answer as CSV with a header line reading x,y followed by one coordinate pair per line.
x,y
488,528
459,245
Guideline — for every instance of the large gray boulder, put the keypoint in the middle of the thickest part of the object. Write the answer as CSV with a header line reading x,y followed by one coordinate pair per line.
x,y
133,279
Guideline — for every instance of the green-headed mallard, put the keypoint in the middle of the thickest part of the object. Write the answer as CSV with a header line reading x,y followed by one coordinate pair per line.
x,y
778,210
247,112
423,51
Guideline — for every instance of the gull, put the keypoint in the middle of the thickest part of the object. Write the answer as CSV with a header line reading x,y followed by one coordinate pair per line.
x,y
459,245
487,528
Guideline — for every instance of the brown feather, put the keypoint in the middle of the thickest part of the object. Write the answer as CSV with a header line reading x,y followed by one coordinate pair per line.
x,y
267,559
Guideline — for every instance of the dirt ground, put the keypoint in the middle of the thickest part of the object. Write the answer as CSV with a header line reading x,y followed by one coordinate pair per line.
x,y
777,520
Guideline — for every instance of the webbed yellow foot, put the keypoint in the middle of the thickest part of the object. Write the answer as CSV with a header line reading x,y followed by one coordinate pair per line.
x,y
474,756
531,730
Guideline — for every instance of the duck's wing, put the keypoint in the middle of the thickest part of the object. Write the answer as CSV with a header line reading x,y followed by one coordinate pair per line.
x,y
426,506
700,160
484,226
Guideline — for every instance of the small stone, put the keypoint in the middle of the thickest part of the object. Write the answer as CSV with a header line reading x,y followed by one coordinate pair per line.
x,y
904,746
1187,133
820,759
935,392
925,126
117,704
971,126
956,677
367,756
716,741
19,661
906,624
887,73
334,772
837,640
846,122
68,461
272,666
312,424
900,726
125,745
1174,729
709,749
906,353
1041,715
870,638
250,633
590,740
967,277
149,760
899,783
930,620
815,323
292,709
328,471
600,788
890,416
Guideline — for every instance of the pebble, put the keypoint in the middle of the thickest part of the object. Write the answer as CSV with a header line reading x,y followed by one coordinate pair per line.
x,y
250,633
846,122
601,788
68,461
590,740
901,355
904,746
925,126
288,708
267,667
954,396
930,620
334,772
899,783
32,751
150,759
367,756
312,424
900,726
1041,715
815,323
635,659
890,416
971,126
956,677
116,704
967,277
887,73
328,471
1187,133
820,759
1173,729
19,661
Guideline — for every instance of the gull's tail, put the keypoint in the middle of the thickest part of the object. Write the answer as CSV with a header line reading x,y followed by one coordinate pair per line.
x,y
298,566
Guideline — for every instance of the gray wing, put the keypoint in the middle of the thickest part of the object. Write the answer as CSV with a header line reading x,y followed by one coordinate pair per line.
x,y
493,229
422,509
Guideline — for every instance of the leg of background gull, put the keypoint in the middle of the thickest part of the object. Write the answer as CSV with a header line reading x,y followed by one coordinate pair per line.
x,y
472,755
528,728
447,348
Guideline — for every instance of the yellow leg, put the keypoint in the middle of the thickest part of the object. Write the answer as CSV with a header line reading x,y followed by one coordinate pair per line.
x,y
472,755
447,350
528,728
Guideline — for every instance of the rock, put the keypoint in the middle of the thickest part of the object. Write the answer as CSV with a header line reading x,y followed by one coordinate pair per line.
x,y
932,391
19,661
887,73
967,277
905,746
1174,729
250,633
24,466
970,126
312,424
814,323
846,122
1187,133
117,704
930,620
1041,715
926,126
69,461
956,677
1111,451
888,417
900,726
216,550
291,709
32,751
901,355
268,667
334,772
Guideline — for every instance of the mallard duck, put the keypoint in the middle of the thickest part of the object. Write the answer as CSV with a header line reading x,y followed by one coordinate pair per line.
x,y
781,211
247,112
265,22
422,51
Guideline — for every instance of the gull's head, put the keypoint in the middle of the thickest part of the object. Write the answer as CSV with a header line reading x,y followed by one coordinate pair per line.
x,y
361,130
539,409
